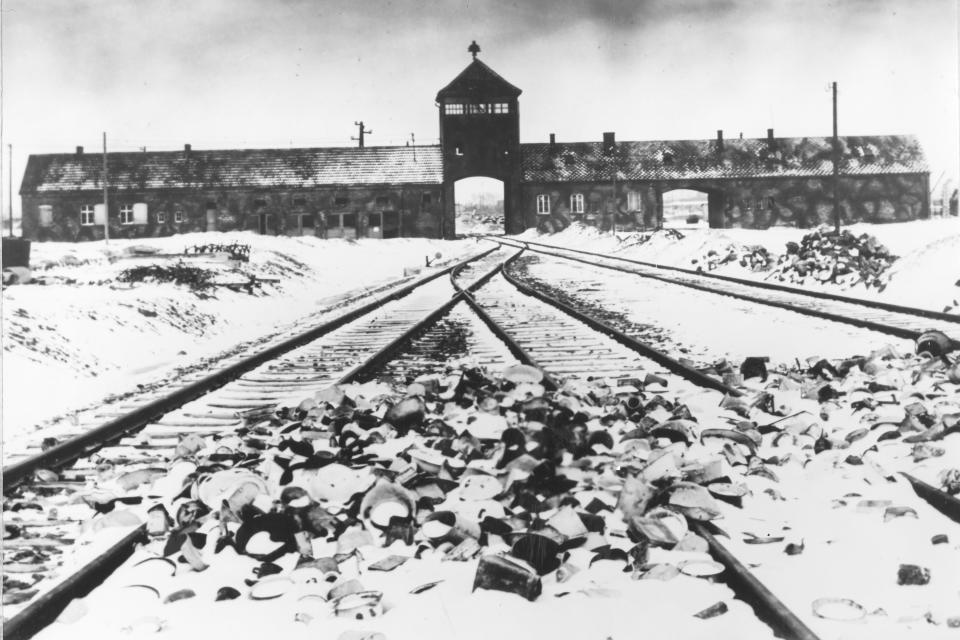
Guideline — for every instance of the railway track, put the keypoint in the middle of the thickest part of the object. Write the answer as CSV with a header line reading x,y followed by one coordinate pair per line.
x,y
481,313
896,320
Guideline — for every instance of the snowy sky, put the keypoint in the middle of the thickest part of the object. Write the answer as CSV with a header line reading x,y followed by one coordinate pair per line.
x,y
252,73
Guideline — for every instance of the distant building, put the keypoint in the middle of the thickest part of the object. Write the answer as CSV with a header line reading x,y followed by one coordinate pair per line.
x,y
385,192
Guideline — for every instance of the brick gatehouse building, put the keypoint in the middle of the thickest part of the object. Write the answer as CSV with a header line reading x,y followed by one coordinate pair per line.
x,y
386,192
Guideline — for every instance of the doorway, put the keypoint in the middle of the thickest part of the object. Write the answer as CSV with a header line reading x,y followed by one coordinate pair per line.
x,y
685,209
479,206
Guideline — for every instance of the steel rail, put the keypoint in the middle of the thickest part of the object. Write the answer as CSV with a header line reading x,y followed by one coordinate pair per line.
x,y
689,373
80,445
876,304
942,501
45,609
748,588
861,323
769,609
549,382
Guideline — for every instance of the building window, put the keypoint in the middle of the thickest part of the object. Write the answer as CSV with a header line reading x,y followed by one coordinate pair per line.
x,y
771,202
383,201
259,204
86,215
300,202
341,201
161,217
576,203
501,107
543,204
453,109
178,215
426,198
126,214
46,215
634,201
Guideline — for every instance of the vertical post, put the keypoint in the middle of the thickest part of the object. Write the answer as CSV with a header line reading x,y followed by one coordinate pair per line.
x,y
106,204
613,221
10,186
836,165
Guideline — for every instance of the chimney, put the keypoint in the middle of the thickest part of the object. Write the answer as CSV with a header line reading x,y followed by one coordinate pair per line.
x,y
186,149
719,140
609,141
770,137
553,143
79,151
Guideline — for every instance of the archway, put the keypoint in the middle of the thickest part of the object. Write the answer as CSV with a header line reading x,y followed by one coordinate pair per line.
x,y
479,206
686,209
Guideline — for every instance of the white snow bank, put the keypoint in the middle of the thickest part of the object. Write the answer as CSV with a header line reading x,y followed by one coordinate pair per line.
x,y
83,336
925,275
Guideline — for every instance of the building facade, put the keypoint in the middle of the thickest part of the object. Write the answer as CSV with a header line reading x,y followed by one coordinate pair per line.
x,y
385,192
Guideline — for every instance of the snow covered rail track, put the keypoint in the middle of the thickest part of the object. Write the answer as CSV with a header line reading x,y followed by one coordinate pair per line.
x,y
66,451
560,346
896,320
348,349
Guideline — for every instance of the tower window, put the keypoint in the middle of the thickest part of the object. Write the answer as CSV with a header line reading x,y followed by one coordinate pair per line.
x,y
453,109
501,107
543,204
576,203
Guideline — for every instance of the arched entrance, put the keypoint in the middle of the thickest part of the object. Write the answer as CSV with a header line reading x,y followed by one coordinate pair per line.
x,y
688,207
479,206
685,209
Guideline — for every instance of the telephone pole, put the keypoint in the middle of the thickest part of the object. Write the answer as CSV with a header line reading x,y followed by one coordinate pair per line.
x,y
836,165
362,131
10,186
106,207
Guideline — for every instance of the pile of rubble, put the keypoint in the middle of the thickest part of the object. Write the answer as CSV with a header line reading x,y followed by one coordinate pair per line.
x,y
753,257
847,260
533,491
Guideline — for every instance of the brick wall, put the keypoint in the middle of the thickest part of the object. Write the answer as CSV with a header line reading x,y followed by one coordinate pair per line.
x,y
750,203
238,209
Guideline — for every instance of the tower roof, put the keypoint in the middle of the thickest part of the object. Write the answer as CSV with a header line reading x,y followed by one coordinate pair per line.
x,y
478,81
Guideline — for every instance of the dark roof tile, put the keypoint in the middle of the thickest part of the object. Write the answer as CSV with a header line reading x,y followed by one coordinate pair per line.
x,y
740,158
236,168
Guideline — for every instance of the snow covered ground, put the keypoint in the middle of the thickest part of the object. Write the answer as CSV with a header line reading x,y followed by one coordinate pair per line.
x,y
83,335
926,274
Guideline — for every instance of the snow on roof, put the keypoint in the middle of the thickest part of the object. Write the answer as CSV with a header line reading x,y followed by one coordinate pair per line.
x,y
478,81
235,168
740,158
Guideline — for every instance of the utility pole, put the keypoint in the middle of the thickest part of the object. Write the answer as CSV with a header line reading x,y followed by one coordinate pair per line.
x,y
10,186
106,207
836,165
362,132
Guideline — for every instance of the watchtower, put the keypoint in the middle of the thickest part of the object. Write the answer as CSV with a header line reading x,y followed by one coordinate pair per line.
x,y
480,136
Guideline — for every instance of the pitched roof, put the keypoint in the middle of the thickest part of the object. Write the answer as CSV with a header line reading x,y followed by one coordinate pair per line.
x,y
478,81
235,168
741,158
